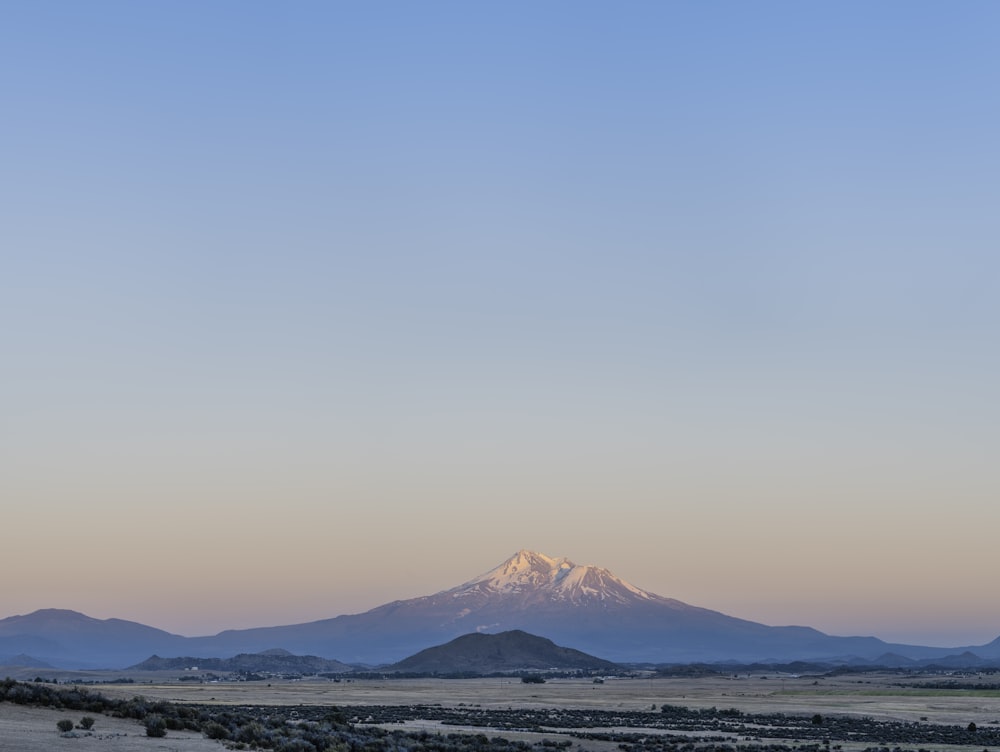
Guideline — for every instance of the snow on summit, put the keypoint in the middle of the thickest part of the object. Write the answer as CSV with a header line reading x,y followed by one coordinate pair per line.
x,y
529,572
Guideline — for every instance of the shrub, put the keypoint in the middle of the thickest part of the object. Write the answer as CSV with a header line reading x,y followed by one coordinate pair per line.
x,y
155,726
215,730
65,725
297,745
86,722
252,733
174,724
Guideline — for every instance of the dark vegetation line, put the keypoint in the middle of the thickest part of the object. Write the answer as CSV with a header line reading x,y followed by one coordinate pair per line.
x,y
313,728
953,684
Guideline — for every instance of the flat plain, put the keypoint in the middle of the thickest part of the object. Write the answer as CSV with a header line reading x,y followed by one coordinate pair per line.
x,y
881,696
878,695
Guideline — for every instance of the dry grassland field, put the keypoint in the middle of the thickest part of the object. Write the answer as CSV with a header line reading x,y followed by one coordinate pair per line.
x,y
29,729
872,696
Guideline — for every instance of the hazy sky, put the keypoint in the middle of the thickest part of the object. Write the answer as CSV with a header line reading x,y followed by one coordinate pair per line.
x,y
311,306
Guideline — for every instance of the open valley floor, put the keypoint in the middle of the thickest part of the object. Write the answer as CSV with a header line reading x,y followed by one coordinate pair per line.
x,y
766,711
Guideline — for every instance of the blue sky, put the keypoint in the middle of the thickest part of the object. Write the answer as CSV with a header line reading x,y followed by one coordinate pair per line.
x,y
367,296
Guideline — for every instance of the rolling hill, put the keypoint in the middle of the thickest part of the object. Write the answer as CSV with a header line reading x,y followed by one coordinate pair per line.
x,y
511,651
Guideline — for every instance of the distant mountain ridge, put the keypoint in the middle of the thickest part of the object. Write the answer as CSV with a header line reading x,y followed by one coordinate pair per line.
x,y
585,607
69,639
268,661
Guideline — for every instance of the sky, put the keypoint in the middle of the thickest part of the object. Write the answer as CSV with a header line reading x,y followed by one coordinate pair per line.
x,y
307,307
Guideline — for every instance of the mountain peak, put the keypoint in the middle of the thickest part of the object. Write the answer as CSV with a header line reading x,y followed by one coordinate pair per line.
x,y
52,617
523,569
558,579
51,613
525,556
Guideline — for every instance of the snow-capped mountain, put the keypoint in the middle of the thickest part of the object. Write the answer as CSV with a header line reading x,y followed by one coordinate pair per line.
x,y
582,607
532,577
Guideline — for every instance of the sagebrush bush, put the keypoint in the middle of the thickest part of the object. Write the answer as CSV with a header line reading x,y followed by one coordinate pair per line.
x,y
214,730
155,726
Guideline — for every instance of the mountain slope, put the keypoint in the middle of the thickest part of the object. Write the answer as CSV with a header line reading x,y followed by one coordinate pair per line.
x,y
491,653
72,640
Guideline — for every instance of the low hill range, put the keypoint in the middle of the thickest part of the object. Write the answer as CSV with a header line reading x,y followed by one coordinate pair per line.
x,y
582,606
23,661
506,652
275,661
514,652
471,654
